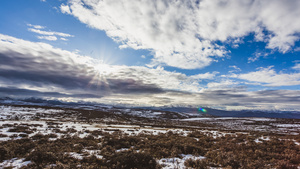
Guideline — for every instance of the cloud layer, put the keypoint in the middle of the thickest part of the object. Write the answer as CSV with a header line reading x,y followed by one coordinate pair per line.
x,y
269,77
34,69
40,66
189,34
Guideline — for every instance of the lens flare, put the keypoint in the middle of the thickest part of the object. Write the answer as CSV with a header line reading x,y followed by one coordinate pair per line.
x,y
202,110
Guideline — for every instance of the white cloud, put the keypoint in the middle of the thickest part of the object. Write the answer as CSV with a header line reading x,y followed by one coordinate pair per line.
x,y
36,26
64,39
206,75
50,38
296,67
49,33
257,55
184,33
269,77
223,84
236,69
297,49
65,9
161,27
45,71
100,73
158,76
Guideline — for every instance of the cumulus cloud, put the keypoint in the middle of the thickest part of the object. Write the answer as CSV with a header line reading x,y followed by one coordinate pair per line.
x,y
186,34
269,77
65,9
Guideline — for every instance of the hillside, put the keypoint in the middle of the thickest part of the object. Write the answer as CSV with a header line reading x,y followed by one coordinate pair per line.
x,y
35,136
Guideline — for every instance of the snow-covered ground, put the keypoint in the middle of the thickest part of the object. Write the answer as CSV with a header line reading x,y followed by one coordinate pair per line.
x,y
261,139
14,163
25,113
20,122
86,153
48,120
172,163
287,125
80,129
249,123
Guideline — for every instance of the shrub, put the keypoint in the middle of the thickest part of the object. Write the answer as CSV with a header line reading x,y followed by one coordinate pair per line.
x,y
285,165
197,164
40,156
131,159
4,153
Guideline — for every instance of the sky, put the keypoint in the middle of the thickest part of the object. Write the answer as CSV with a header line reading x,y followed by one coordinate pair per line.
x,y
226,54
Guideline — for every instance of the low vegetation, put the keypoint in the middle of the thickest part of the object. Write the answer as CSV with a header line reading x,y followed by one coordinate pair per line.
x,y
47,144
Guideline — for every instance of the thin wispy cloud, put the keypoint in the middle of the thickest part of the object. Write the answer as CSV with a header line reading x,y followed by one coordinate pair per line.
x,y
223,84
64,39
296,67
50,38
235,69
48,35
36,26
206,75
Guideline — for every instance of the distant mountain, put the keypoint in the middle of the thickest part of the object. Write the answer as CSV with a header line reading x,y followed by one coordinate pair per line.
x,y
188,110
241,113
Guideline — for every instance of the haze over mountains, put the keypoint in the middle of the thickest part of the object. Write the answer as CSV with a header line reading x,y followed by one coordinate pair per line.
x,y
188,110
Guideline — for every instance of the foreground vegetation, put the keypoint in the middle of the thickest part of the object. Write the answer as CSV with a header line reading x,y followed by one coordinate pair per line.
x,y
47,143
118,150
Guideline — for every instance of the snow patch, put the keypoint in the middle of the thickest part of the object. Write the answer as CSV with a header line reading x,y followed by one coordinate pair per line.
x,y
197,119
288,125
171,163
14,163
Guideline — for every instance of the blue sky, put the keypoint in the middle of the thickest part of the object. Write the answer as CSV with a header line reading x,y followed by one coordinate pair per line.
x,y
228,54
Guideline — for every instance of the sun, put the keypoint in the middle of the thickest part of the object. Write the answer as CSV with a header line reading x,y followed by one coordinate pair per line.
x,y
103,69
102,72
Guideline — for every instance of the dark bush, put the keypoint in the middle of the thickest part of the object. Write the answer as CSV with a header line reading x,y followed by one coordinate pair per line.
x,y
197,164
40,156
4,153
131,159
285,165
